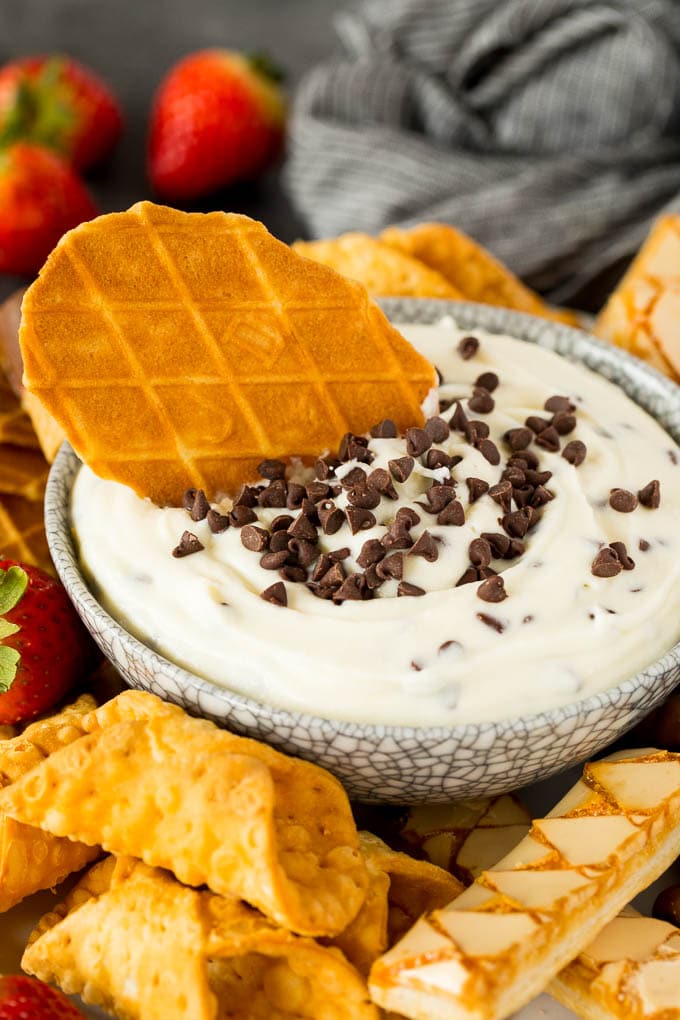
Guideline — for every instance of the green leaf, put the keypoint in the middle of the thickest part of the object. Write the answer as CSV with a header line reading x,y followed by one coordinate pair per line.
x,y
7,629
9,660
13,584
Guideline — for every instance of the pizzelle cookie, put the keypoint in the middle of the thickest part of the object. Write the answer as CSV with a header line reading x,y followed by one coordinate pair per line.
x,y
503,940
213,808
135,941
179,350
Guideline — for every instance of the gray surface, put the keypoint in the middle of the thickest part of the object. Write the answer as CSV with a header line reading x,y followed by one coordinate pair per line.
x,y
131,43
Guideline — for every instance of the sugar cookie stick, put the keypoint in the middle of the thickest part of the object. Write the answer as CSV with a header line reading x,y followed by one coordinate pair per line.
x,y
503,940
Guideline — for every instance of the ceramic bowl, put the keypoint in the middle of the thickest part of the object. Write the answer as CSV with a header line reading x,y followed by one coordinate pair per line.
x,y
401,764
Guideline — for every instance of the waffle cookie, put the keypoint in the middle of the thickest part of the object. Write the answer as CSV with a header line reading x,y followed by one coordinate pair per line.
x,y
31,859
470,268
22,532
384,270
132,940
15,425
642,314
232,813
179,350
504,939
23,472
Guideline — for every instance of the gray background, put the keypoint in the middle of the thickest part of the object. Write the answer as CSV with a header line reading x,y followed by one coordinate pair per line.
x,y
131,43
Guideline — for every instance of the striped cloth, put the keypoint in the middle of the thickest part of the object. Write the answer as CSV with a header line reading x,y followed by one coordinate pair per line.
x,y
547,129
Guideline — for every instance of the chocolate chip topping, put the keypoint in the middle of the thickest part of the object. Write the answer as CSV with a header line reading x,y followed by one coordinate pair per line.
x,y
564,422
274,560
359,519
459,419
437,429
439,496
187,545
476,430
491,621
492,590
606,563
371,552
294,573
469,576
404,588
385,429
331,517
518,522
401,467
479,552
452,514
621,552
468,347
557,404
650,495
271,469
417,442
437,458
481,401
201,506
397,537
549,439
488,381
296,494
353,588
255,539
305,552
325,467
240,515
426,547
502,494
537,424
519,438
575,452
364,496
391,567
476,487
623,501
381,481
217,522
188,499
275,495
644,545
489,451
279,541
302,527
357,476
276,594
334,576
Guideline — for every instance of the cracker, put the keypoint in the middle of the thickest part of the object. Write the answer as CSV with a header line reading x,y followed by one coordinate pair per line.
x,y
218,343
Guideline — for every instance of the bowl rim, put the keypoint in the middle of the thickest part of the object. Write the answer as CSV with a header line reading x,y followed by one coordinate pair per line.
x,y
468,315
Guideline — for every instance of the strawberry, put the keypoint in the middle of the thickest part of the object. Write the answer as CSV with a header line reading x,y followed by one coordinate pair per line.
x,y
40,198
25,998
44,648
218,117
57,102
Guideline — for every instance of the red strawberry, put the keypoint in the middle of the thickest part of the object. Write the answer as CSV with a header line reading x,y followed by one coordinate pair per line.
x,y
218,117
57,102
24,998
44,648
40,199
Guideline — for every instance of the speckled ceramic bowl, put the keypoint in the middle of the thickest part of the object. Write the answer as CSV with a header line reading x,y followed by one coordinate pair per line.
x,y
399,763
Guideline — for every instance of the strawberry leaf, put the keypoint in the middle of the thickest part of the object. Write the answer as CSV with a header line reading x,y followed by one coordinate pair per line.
x,y
9,660
13,584
7,629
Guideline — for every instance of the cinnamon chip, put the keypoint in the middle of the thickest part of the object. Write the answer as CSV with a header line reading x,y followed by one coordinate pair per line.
x,y
492,590
623,501
575,452
650,495
276,594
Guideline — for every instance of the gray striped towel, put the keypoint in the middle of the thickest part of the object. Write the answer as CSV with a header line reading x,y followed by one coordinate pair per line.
x,y
549,130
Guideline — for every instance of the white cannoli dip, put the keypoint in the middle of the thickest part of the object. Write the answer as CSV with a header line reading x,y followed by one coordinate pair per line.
x,y
487,589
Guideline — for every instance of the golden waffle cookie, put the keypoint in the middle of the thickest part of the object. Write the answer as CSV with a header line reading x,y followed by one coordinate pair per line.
x,y
180,349
384,270
133,940
234,814
15,425
31,859
503,940
643,313
23,472
22,532
50,435
470,268
10,355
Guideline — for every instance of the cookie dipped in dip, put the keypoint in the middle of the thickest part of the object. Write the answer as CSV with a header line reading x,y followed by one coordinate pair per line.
x,y
518,553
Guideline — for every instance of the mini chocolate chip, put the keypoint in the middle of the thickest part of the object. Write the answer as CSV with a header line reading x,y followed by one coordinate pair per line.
x,y
305,551
293,572
404,588
515,549
515,476
522,495
488,381
502,494
606,564
199,510
217,522
271,469
353,588
437,429
536,424
498,542
476,430
391,567
331,517
188,498
397,537
302,527
255,539
364,496
439,496
644,545
317,491
276,594
371,575
346,442
672,456
468,347
519,438
491,621
407,517
445,645
296,494
436,459
357,476
385,429
334,576
459,419
281,523
359,519
401,467
650,495
274,560
541,496
667,905
444,405
492,590
517,523
246,496
564,423
549,439
481,401
416,666
526,459
371,551
274,495
323,564
241,515
470,575
575,452
187,545
339,554
623,501
479,552
557,404
357,451
489,451
476,488
622,555
325,467
426,547
537,477
279,541
381,481
417,442
452,514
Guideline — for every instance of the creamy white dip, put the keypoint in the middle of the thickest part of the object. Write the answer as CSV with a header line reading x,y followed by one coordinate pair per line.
x,y
428,660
